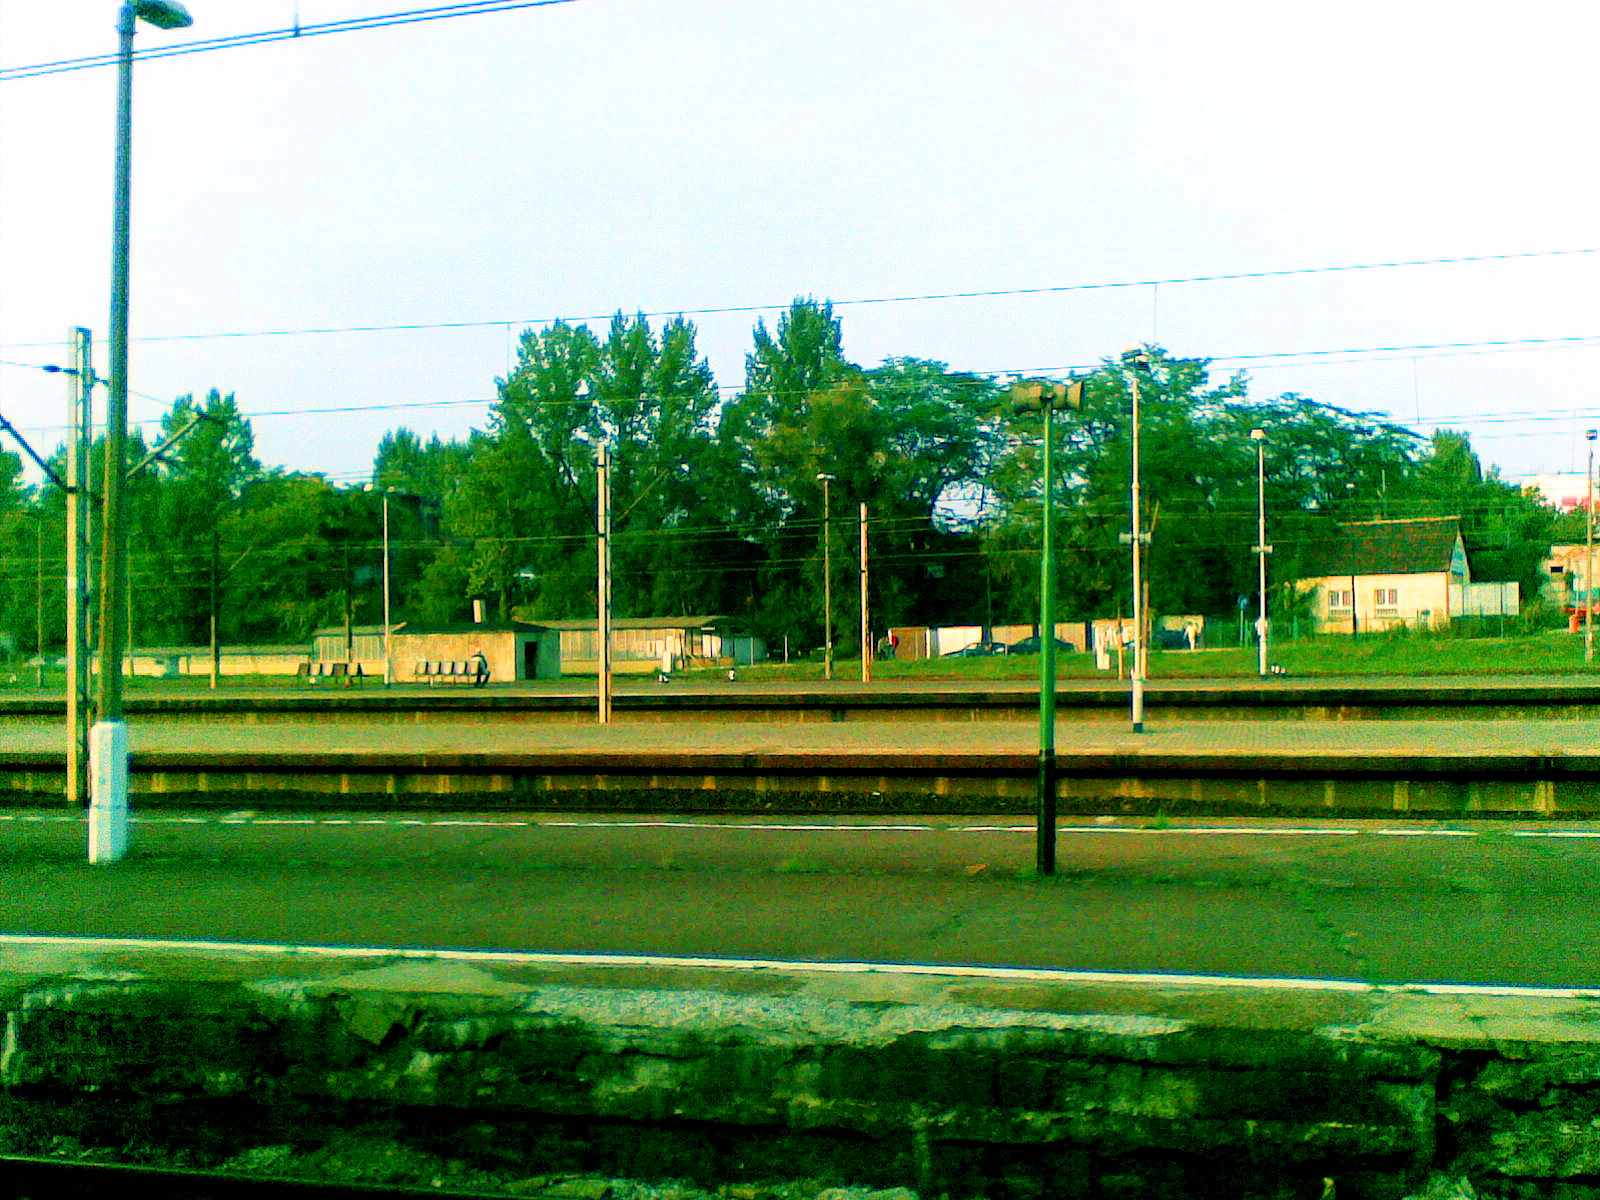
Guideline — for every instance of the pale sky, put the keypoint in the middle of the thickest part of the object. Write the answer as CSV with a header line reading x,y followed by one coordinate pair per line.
x,y
584,157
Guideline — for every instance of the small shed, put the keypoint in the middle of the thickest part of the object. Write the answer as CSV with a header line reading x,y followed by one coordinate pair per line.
x,y
515,650
639,645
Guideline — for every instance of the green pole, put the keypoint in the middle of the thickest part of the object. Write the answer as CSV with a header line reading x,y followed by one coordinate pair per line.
x,y
1045,836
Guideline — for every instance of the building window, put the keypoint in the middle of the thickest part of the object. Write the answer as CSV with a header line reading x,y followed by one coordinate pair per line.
x,y
1340,600
1386,602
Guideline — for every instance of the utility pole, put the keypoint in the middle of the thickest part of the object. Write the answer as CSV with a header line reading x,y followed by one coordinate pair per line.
x,y
80,391
1263,625
1139,362
866,624
603,534
216,570
1588,553
827,582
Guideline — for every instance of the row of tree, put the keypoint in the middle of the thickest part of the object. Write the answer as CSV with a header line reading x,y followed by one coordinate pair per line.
x,y
718,503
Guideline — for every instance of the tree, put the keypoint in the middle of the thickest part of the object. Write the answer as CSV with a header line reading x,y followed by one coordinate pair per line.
x,y
183,502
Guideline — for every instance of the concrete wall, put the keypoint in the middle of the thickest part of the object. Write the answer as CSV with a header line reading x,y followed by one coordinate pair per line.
x,y
196,660
531,1075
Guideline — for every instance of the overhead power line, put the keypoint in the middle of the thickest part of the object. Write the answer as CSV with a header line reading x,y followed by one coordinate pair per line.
x,y
206,45
926,297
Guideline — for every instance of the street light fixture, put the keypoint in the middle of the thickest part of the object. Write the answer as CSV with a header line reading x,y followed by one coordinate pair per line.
x,y
1137,360
1032,397
827,582
1588,553
1263,625
108,807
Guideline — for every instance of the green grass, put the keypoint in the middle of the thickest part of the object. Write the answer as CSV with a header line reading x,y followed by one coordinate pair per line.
x,y
1548,653
1396,655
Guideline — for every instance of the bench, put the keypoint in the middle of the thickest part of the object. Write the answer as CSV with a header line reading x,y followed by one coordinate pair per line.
x,y
313,672
443,672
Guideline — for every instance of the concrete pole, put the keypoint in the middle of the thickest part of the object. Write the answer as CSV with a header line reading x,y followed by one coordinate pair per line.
x,y
1262,549
866,624
388,656
603,534
1138,576
827,584
109,746
1588,554
77,599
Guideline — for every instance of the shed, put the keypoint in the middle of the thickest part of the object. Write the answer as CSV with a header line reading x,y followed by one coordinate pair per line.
x,y
639,645
516,650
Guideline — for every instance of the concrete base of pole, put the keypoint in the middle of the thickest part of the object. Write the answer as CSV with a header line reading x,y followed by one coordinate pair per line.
x,y
1138,704
108,791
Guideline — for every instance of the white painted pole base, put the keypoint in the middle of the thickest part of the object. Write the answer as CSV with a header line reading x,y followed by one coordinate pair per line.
x,y
108,791
1138,704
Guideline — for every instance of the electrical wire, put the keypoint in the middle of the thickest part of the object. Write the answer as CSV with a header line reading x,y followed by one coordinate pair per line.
x,y
295,32
927,297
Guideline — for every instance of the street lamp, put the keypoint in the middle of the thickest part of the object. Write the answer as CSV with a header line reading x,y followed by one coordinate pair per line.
x,y
1138,362
1588,553
108,741
1259,437
827,582
1032,397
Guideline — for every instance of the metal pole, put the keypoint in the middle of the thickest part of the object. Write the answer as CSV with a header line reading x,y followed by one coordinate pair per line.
x,y
78,405
108,821
1138,577
1588,554
866,624
388,658
603,531
827,587
1044,847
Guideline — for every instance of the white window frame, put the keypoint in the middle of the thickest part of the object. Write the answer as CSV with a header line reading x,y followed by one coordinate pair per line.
x,y
1386,602
1340,600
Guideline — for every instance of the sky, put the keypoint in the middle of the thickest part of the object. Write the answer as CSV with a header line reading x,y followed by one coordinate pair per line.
x,y
419,194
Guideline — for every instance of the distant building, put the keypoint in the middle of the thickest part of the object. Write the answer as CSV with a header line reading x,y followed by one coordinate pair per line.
x,y
1375,575
1565,576
641,645
1565,491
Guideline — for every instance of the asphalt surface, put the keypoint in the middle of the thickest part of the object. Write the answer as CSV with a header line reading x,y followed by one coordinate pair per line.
x,y
1377,902
1572,738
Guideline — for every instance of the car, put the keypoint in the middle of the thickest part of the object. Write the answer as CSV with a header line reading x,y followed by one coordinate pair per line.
x,y
1033,645
978,650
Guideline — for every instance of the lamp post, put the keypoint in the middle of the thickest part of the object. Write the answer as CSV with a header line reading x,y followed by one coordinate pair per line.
x,y
1259,437
1032,397
108,742
1588,552
1138,361
827,583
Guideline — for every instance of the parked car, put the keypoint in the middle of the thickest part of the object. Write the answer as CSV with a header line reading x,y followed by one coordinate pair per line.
x,y
1033,645
978,650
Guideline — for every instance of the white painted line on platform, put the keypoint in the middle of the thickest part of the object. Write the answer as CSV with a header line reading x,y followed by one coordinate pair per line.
x,y
957,971
814,827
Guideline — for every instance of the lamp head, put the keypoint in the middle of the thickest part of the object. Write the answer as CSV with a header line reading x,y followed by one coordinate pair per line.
x,y
1258,435
1589,434
824,477
163,14
1137,358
